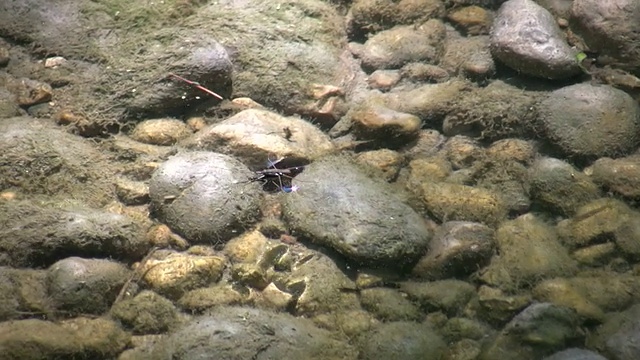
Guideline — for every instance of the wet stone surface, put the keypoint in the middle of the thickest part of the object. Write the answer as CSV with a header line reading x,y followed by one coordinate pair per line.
x,y
263,335
526,37
341,207
205,197
36,233
126,234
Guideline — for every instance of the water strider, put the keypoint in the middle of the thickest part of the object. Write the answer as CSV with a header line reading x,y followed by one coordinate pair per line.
x,y
278,178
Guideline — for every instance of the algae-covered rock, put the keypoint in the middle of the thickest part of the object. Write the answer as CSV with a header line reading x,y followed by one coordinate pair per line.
x,y
616,337
241,333
448,296
590,121
138,46
448,202
389,305
529,251
621,176
557,186
458,249
494,112
390,49
205,197
402,340
601,218
22,291
355,214
73,283
376,15
39,158
36,233
538,330
146,313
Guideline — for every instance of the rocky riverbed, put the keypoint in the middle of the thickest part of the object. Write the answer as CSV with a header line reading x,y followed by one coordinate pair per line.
x,y
366,179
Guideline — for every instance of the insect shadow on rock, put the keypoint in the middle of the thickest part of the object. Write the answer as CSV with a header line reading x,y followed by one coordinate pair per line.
x,y
278,175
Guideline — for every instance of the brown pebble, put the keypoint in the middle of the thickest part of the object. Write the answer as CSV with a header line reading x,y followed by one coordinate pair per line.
x,y
288,239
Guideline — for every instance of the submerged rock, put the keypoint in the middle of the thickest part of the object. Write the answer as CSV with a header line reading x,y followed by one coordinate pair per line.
x,y
538,330
38,234
609,28
526,37
245,333
591,121
343,208
402,340
205,197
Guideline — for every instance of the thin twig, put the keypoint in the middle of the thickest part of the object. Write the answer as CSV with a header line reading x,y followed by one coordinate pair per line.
x,y
134,275
196,85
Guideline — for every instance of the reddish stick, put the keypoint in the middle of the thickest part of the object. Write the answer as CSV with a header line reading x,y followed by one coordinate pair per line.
x,y
196,85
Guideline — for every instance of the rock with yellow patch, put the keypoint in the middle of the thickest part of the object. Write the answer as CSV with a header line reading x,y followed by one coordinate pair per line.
x,y
561,292
473,20
31,92
512,149
132,192
253,134
529,252
461,202
272,298
495,305
246,248
210,297
373,121
622,175
250,275
387,161
434,168
161,131
174,274
603,218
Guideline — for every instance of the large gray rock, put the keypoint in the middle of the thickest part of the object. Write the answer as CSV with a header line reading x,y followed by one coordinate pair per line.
x,y
38,234
537,331
245,333
402,340
591,121
341,207
205,197
617,337
37,157
526,37
74,283
78,338
610,28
